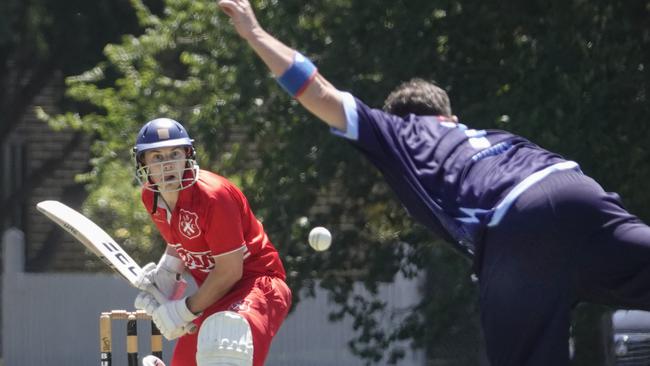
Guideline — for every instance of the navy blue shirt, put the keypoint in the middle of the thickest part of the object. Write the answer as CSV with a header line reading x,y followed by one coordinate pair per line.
x,y
449,177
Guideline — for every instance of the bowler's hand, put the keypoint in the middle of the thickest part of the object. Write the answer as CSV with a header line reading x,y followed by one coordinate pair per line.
x,y
242,16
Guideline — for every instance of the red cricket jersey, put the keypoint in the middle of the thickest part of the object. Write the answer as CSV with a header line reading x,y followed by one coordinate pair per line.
x,y
213,218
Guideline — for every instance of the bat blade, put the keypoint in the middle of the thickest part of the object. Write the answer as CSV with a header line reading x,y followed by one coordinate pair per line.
x,y
101,244
92,237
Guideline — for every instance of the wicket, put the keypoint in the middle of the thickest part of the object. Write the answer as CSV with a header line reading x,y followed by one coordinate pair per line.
x,y
105,336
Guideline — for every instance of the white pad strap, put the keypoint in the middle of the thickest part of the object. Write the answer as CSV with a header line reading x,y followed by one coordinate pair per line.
x,y
225,338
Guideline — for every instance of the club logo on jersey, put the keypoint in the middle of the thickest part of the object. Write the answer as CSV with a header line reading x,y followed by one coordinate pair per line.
x,y
241,306
188,224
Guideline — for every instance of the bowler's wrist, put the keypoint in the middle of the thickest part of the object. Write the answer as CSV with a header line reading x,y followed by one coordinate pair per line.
x,y
257,34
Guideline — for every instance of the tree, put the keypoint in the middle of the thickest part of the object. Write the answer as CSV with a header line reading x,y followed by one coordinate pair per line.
x,y
40,41
558,73
39,38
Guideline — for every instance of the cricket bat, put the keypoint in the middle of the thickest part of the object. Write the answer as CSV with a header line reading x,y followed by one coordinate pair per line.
x,y
100,243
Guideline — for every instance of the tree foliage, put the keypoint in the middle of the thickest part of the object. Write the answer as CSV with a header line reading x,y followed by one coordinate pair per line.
x,y
40,41
41,38
570,75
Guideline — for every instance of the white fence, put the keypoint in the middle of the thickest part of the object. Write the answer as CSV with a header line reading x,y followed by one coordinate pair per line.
x,y
53,319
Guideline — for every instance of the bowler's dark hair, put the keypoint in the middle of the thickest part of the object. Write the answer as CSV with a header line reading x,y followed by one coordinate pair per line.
x,y
420,97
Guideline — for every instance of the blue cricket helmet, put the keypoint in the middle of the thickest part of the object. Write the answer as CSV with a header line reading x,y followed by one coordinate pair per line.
x,y
161,132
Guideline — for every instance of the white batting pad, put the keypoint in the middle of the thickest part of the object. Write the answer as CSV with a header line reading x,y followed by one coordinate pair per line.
x,y
225,339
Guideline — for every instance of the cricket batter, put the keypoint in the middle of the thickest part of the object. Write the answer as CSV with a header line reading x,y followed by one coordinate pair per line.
x,y
242,298
543,235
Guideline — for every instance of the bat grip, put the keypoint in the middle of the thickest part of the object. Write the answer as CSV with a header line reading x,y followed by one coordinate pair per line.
x,y
153,290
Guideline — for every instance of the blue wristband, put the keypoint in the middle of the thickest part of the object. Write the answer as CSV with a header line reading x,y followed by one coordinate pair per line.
x,y
296,78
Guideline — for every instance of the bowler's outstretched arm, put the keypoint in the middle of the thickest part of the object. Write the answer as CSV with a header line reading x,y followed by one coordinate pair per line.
x,y
318,95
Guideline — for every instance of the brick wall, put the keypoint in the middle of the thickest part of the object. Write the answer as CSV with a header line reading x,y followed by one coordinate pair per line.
x,y
52,159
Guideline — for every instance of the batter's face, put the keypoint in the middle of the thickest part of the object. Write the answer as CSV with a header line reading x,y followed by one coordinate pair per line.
x,y
166,166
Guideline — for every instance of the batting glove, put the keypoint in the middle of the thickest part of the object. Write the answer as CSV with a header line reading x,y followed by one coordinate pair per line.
x,y
173,318
166,276
145,301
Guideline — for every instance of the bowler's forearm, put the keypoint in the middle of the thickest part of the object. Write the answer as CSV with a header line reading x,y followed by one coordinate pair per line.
x,y
320,97
276,55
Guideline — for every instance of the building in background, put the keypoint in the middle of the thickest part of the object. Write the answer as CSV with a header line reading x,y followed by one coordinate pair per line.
x,y
38,163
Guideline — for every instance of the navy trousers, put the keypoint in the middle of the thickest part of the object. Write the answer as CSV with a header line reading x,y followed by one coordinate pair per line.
x,y
565,240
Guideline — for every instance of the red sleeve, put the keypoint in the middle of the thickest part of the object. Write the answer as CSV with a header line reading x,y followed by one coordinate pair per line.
x,y
224,232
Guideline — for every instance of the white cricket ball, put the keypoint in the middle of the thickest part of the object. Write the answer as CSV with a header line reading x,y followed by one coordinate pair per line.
x,y
320,238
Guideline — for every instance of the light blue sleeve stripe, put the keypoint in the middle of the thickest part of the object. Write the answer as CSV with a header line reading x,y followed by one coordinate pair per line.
x,y
502,208
351,117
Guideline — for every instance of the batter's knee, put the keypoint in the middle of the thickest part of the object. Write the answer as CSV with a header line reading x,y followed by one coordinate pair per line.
x,y
225,339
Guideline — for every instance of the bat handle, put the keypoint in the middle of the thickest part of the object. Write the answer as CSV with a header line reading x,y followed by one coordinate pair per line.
x,y
153,290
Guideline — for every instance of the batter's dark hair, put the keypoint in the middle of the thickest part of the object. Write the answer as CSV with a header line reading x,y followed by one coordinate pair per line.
x,y
420,97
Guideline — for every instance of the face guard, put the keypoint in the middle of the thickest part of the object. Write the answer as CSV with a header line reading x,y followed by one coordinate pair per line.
x,y
168,175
